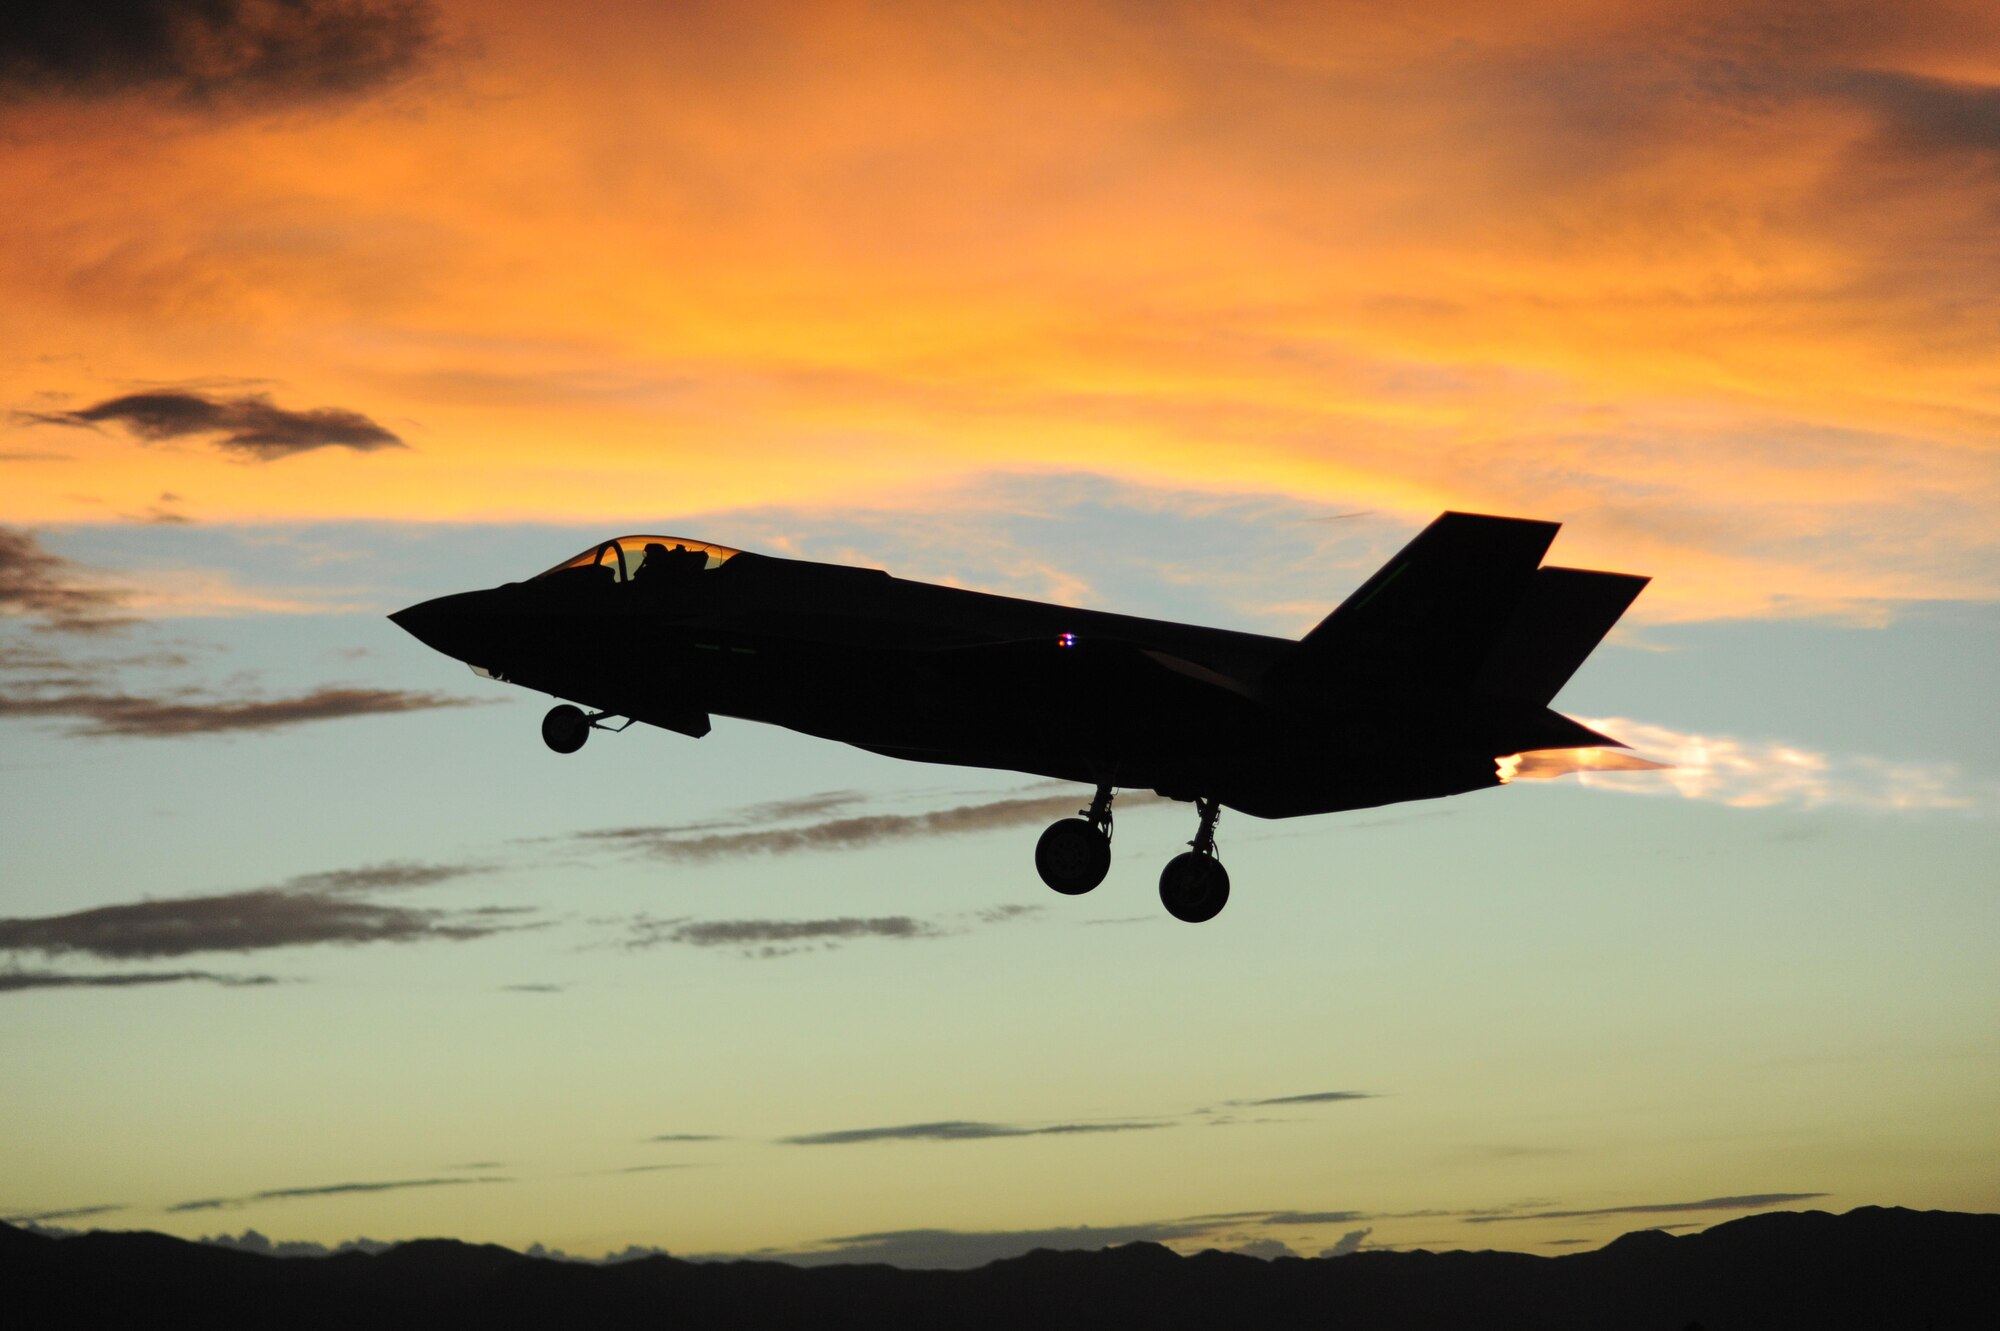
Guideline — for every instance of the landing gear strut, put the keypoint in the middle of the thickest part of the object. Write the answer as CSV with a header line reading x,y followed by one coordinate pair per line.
x,y
1194,886
565,728
1074,855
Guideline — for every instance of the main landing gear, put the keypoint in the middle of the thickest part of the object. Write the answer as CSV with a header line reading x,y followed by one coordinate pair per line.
x,y
1194,886
565,728
1074,855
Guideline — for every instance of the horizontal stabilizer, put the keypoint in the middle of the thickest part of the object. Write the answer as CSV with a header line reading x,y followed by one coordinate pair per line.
x,y
1562,617
1429,618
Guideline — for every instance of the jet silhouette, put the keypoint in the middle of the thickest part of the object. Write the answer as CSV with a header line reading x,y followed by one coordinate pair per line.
x,y
1428,681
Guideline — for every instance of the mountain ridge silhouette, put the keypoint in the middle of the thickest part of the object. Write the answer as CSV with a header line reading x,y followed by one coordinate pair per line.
x,y
1871,1267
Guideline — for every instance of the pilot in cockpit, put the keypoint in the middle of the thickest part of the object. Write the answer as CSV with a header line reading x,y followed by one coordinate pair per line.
x,y
662,565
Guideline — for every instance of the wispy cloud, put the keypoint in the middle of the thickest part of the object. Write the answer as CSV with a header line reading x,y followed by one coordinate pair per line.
x,y
781,938
953,1249
962,1131
129,716
379,877
1755,774
651,1169
1309,1098
1312,1217
326,1190
243,922
1350,1242
960,1249
1235,1231
250,426
1756,1201
773,938
61,594
68,1213
20,981
802,806
849,833
1924,115
251,1241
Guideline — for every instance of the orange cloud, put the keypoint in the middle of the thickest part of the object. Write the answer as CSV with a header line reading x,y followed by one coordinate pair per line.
x,y
1719,287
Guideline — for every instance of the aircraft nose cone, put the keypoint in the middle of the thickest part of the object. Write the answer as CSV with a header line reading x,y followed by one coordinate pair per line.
x,y
455,625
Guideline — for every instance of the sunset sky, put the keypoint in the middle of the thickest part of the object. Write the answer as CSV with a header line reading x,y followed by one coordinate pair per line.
x,y
311,309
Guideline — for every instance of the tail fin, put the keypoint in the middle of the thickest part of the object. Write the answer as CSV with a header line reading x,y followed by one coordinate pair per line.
x,y
1431,615
1465,608
1562,617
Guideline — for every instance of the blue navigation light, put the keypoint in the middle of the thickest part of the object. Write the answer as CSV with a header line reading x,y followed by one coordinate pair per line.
x,y
1065,640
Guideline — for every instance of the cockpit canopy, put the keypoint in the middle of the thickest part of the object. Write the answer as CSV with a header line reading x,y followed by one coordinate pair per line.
x,y
643,561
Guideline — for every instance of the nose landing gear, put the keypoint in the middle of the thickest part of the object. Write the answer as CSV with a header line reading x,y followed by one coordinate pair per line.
x,y
1074,855
565,728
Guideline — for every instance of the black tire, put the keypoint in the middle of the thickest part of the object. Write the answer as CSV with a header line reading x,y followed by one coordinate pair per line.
x,y
1194,888
564,729
1072,857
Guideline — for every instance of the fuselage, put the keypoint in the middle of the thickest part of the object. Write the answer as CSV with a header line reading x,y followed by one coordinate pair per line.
x,y
940,674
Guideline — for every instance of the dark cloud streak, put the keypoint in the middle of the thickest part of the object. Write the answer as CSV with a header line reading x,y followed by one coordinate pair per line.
x,y
1925,115
239,922
1749,1202
960,1131
326,1190
213,51
40,584
378,877
1310,1098
19,981
753,933
949,1249
848,833
251,425
129,716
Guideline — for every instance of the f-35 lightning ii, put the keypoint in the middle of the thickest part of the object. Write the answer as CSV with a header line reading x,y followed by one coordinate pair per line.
x,y
1428,681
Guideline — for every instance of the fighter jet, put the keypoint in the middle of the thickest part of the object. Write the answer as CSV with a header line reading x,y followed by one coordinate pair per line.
x,y
1432,679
